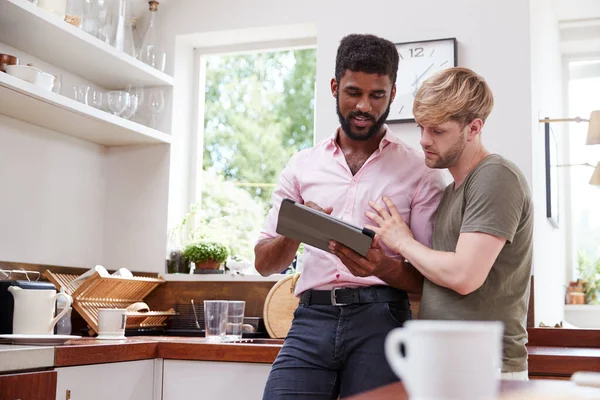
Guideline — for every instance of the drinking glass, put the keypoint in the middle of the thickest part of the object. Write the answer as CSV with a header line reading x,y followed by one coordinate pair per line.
x,y
215,319
117,101
81,93
157,104
235,319
97,99
131,108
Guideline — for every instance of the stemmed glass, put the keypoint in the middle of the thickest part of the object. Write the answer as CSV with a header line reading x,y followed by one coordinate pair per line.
x,y
132,107
157,104
118,101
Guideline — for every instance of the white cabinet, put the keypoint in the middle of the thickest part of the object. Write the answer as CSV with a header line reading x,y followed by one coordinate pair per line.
x,y
210,380
132,380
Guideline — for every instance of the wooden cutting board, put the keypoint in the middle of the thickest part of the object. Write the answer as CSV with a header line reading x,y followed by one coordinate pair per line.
x,y
280,304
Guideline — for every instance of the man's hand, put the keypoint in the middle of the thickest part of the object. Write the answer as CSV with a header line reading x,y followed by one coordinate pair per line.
x,y
392,229
326,210
357,264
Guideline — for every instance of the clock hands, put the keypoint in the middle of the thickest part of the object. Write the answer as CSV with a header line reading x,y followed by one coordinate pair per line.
x,y
415,83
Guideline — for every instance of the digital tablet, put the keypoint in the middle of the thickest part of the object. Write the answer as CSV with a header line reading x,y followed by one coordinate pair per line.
x,y
316,229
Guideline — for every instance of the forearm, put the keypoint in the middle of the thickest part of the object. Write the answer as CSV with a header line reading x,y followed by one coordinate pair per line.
x,y
400,275
437,266
274,255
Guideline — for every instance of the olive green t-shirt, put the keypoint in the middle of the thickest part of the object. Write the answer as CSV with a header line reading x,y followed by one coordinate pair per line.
x,y
494,199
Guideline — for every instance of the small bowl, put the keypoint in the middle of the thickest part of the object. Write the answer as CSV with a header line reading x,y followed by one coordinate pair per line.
x,y
45,81
25,72
7,59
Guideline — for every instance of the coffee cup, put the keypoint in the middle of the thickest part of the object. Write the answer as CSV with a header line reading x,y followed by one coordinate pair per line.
x,y
112,323
447,359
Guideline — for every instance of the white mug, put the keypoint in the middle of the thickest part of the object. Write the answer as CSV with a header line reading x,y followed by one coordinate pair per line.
x,y
447,359
112,323
34,310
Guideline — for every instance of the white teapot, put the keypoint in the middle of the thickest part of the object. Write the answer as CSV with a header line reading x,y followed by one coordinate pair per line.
x,y
34,310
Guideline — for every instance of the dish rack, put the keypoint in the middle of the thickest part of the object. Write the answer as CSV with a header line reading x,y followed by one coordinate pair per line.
x,y
97,292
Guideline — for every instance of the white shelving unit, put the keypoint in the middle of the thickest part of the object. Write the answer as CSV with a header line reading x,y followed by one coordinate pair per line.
x,y
26,102
31,29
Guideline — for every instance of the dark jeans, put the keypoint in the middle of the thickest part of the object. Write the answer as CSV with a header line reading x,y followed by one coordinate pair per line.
x,y
335,351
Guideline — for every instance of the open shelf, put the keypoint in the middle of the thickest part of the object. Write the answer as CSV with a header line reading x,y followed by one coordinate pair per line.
x,y
30,29
26,102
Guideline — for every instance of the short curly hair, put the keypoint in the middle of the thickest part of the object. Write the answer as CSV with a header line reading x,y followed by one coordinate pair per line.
x,y
367,53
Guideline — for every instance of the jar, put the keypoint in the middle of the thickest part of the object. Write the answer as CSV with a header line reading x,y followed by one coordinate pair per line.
x,y
56,7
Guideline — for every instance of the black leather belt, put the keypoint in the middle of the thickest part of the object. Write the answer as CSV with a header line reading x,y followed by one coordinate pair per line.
x,y
343,296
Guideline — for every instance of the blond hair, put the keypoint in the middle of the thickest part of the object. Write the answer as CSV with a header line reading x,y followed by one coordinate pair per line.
x,y
454,94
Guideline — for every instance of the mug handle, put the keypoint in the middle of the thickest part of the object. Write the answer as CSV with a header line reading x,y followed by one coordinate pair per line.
x,y
63,312
398,362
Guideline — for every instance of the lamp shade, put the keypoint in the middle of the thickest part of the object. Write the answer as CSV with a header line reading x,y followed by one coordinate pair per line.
x,y
593,136
596,176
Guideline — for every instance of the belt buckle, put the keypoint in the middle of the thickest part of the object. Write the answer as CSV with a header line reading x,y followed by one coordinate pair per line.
x,y
334,301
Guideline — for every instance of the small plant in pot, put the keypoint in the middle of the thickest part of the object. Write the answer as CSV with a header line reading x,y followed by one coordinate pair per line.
x,y
206,255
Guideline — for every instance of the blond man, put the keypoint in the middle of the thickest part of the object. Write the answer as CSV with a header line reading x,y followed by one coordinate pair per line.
x,y
479,265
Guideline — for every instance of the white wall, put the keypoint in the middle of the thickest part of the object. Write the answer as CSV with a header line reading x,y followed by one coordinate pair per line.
x,y
547,101
52,196
501,55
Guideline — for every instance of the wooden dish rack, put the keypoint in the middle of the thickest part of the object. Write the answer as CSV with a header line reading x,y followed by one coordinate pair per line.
x,y
111,292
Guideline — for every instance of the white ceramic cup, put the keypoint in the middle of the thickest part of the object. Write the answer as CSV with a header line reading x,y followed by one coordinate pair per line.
x,y
447,359
112,323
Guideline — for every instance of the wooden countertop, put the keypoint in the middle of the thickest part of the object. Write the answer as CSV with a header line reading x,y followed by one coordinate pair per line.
x,y
93,351
543,361
528,390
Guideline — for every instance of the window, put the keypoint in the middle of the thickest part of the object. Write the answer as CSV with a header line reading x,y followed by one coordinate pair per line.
x,y
258,110
584,87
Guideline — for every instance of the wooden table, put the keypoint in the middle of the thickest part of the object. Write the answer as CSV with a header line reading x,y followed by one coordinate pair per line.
x,y
514,390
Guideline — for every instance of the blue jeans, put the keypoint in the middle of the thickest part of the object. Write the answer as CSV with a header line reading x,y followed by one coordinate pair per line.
x,y
335,351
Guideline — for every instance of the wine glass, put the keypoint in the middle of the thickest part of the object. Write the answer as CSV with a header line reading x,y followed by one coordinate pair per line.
x,y
118,101
131,108
157,104
137,91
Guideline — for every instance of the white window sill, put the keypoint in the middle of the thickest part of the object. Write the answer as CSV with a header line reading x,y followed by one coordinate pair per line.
x,y
585,316
582,307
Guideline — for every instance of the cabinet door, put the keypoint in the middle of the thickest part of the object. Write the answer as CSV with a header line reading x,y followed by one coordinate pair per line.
x,y
29,386
132,380
210,380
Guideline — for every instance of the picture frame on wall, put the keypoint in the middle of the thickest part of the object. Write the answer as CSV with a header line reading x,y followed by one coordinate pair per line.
x,y
418,61
552,183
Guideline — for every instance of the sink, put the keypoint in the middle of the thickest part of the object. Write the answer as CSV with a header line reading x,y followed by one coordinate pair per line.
x,y
258,341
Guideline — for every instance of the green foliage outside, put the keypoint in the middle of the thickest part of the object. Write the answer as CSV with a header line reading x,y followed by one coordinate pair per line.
x,y
259,111
589,272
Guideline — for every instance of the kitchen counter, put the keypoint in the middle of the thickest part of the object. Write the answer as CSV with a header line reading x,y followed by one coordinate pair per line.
x,y
544,362
92,351
14,358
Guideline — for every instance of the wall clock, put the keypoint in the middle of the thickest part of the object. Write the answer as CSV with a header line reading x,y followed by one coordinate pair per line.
x,y
418,61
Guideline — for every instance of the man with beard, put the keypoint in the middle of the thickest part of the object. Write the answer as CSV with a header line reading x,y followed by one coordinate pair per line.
x,y
479,266
335,345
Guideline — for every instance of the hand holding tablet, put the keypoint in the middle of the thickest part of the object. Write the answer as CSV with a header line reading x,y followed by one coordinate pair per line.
x,y
315,228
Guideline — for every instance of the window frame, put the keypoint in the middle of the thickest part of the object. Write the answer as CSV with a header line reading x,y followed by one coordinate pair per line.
x,y
570,251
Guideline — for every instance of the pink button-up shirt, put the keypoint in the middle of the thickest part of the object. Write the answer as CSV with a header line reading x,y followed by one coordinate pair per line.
x,y
321,175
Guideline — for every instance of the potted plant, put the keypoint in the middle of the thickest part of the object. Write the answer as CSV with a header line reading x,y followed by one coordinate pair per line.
x,y
589,273
206,255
